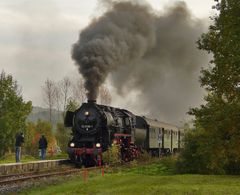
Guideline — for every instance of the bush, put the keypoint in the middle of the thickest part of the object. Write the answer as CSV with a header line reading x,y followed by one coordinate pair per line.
x,y
201,154
145,157
170,163
112,155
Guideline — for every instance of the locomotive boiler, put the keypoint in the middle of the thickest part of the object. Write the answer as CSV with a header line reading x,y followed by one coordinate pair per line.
x,y
96,127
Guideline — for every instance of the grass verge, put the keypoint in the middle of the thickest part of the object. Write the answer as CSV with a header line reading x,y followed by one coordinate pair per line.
x,y
10,158
153,179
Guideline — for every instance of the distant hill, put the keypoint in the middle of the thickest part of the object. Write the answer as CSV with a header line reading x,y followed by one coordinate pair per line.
x,y
39,113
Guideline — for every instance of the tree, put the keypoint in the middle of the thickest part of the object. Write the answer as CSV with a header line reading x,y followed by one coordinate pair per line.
x,y
222,40
49,94
63,136
31,140
217,124
58,97
105,96
33,134
72,105
65,86
62,94
45,128
79,91
13,112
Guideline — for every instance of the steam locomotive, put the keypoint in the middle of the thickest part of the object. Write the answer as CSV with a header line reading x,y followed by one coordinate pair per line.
x,y
96,127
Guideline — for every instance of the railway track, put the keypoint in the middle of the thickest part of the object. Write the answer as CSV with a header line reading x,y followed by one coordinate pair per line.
x,y
9,179
13,181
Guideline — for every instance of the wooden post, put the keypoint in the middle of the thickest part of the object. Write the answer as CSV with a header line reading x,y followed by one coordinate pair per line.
x,y
102,171
85,175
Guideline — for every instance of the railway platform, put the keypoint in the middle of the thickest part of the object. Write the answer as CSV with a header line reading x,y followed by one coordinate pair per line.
x,y
34,166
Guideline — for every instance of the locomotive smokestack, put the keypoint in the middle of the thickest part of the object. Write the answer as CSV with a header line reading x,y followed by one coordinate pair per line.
x,y
92,101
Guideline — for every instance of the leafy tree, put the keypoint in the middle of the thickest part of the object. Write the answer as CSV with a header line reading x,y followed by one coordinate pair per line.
x,y
33,134
63,136
72,105
112,155
214,145
222,40
31,140
45,128
13,112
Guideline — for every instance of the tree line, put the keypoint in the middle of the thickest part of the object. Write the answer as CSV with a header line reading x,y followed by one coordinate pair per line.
x,y
59,95
62,95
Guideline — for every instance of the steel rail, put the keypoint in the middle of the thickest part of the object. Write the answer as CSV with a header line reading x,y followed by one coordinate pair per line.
x,y
42,175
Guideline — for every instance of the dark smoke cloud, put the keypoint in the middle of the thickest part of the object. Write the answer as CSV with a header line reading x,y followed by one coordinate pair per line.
x,y
123,34
152,53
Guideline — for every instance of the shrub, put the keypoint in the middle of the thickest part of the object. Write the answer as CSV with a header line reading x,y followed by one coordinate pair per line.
x,y
112,155
145,157
170,163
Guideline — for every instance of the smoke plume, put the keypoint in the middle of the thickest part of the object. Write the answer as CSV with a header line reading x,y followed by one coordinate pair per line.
x,y
152,53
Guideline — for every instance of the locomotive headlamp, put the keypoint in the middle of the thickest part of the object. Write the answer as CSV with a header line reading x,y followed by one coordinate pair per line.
x,y
86,113
72,144
98,145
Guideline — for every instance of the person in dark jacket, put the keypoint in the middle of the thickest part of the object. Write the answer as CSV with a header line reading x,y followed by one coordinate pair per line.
x,y
18,144
43,146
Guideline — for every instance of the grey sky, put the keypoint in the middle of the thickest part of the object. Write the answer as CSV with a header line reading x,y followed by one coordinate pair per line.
x,y
36,38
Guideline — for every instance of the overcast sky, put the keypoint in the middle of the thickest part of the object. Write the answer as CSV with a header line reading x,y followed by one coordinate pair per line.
x,y
36,37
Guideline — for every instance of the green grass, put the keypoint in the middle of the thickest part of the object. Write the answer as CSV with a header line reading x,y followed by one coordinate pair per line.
x,y
153,179
10,158
152,169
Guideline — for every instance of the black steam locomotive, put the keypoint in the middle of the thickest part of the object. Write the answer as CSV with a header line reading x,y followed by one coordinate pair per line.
x,y
96,127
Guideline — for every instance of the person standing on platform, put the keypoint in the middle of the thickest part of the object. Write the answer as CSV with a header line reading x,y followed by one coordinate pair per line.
x,y
43,147
18,144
